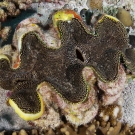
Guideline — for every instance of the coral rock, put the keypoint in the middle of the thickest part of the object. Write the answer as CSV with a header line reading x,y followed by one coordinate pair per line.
x,y
95,4
129,103
22,132
4,33
110,113
112,90
3,15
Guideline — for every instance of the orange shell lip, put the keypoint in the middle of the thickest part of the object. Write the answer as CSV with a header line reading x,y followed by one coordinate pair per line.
x,y
64,15
68,11
17,63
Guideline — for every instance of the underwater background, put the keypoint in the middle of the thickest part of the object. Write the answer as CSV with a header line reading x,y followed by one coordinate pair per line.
x,y
110,107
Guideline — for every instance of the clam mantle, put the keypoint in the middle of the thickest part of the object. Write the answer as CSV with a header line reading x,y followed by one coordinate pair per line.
x,y
61,68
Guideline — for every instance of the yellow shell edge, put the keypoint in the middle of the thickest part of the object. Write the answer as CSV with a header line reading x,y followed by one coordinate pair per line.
x,y
108,16
113,18
27,116
2,56
61,15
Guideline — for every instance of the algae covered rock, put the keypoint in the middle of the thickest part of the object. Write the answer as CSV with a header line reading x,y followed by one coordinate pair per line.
x,y
125,17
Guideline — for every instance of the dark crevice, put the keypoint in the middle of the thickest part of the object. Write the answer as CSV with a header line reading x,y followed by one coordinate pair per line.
x,y
132,40
79,55
122,61
17,81
100,92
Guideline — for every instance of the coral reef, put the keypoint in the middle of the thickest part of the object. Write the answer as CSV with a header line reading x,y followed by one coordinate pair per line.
x,y
14,7
76,5
110,10
45,9
86,99
11,10
110,113
110,2
93,128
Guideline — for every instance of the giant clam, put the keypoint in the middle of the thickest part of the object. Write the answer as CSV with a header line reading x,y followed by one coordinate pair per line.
x,y
61,67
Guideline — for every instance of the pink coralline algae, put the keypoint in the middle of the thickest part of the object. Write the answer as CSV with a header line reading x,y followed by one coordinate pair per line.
x,y
112,90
